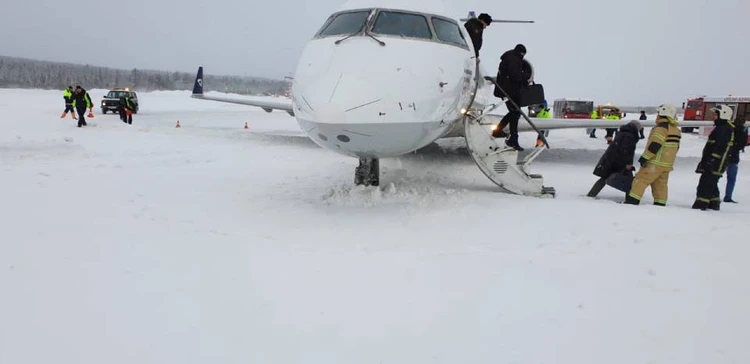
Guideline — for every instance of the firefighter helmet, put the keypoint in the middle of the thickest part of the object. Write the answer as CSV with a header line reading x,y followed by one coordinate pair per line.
x,y
667,110
723,111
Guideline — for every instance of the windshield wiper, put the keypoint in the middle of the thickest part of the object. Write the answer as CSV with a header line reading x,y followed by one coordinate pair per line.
x,y
348,36
367,33
359,31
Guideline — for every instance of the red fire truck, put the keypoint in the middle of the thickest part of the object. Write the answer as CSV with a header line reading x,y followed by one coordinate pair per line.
x,y
572,109
693,111
698,108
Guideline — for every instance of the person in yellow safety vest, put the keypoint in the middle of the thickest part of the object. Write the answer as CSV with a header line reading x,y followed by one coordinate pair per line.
x,y
657,160
82,101
68,97
592,132
126,109
613,115
543,114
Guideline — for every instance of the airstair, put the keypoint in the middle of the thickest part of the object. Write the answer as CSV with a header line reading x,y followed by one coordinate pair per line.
x,y
500,163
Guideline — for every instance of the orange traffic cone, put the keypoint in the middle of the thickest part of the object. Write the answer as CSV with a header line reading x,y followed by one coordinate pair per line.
x,y
246,125
178,124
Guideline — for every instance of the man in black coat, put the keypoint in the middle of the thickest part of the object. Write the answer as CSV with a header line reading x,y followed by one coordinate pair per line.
x,y
475,27
81,102
714,161
643,117
618,158
513,74
126,109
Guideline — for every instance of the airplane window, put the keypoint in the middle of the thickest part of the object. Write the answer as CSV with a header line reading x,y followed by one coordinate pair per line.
x,y
346,23
448,31
402,24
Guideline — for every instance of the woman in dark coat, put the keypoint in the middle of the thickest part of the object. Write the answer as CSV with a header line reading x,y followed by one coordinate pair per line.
x,y
618,158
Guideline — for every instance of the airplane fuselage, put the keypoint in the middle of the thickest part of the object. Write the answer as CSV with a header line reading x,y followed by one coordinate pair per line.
x,y
378,93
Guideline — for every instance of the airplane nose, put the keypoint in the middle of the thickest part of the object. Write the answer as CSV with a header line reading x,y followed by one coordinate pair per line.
x,y
368,101
335,95
330,113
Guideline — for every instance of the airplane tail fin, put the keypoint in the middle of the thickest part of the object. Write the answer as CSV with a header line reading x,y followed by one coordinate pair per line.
x,y
198,86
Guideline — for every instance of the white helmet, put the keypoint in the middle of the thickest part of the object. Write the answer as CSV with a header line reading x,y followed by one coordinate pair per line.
x,y
668,110
724,112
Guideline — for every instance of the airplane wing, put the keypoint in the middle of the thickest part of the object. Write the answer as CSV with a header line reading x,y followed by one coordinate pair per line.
x,y
268,106
553,124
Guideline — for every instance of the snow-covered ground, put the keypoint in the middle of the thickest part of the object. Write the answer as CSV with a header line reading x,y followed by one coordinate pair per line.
x,y
215,244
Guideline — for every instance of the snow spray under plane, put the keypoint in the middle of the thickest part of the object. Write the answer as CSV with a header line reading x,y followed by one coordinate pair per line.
x,y
359,90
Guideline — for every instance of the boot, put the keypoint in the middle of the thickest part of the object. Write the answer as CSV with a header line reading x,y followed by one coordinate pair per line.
x,y
513,143
63,115
597,187
630,200
499,133
73,116
715,205
703,206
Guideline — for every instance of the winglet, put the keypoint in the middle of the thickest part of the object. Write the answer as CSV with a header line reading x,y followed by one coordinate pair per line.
x,y
198,86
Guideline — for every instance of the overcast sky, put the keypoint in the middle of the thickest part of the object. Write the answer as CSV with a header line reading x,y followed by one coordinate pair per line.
x,y
625,51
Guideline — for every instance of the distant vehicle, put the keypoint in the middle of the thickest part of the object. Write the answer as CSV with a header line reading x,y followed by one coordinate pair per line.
x,y
693,111
572,109
604,110
699,108
111,101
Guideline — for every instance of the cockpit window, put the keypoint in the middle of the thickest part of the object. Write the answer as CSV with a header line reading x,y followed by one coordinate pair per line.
x,y
402,24
448,31
346,23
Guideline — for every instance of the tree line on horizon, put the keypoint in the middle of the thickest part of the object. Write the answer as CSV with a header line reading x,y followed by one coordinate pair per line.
x,y
28,73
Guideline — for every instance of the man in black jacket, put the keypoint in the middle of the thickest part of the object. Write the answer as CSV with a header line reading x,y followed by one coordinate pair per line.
x,y
81,102
475,27
740,141
714,161
618,158
513,74
643,117
126,109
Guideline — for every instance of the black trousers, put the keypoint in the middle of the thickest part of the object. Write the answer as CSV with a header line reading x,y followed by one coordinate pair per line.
x,y
708,188
597,187
128,119
511,118
69,108
81,120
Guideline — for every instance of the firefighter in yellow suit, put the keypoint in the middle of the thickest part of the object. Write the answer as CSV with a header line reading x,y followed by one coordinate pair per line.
x,y
658,158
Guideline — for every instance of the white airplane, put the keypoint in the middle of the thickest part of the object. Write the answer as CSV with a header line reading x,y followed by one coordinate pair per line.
x,y
383,78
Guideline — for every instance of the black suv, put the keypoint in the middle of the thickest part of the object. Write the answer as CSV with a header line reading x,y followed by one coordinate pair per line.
x,y
111,101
